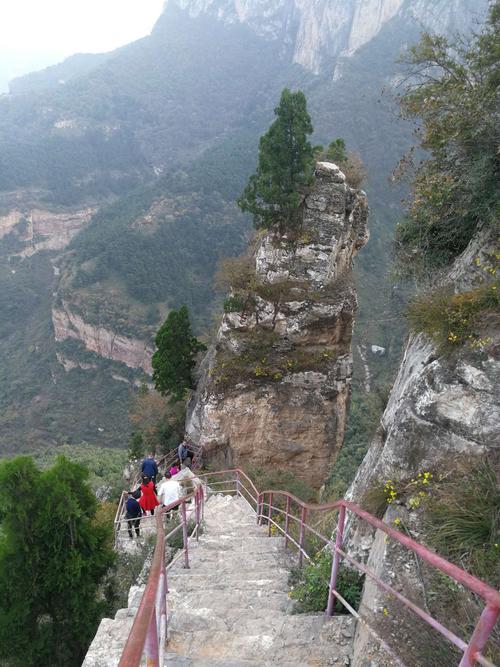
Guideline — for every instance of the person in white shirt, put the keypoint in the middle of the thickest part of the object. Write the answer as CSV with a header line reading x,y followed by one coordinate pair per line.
x,y
169,490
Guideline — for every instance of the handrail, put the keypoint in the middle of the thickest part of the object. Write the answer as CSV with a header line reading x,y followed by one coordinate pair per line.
x,y
148,632
471,650
473,583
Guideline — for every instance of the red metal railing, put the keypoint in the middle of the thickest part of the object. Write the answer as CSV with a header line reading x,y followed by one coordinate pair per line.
x,y
149,631
289,515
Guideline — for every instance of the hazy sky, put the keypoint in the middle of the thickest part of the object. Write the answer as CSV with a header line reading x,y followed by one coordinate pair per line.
x,y
72,26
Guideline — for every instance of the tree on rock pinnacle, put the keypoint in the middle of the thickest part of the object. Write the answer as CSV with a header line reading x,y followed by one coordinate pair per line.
x,y
175,356
286,163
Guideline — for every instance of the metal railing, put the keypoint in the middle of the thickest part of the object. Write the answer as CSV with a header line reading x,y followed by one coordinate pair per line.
x,y
301,524
149,631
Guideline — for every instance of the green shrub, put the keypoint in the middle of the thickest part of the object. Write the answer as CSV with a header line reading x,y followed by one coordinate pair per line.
x,y
233,304
462,519
310,585
455,319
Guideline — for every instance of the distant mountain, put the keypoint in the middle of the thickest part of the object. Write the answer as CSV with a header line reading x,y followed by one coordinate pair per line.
x,y
117,188
14,63
58,74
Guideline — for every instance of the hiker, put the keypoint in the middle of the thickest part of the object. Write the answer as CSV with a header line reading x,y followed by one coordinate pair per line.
x,y
174,469
169,490
150,467
133,514
148,500
183,452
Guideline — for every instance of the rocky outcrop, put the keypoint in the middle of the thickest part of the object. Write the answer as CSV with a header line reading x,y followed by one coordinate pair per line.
x,y
41,229
440,407
108,344
322,30
274,390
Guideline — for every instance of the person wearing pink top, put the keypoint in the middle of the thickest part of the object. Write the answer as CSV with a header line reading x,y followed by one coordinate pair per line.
x,y
174,470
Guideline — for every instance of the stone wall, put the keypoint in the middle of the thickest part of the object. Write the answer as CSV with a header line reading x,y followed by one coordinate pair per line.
x,y
274,390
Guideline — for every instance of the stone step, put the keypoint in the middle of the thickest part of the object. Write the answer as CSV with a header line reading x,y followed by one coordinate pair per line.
x,y
174,660
269,642
254,580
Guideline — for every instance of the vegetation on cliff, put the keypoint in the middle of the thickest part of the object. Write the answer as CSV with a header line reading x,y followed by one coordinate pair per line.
x,y
53,557
454,95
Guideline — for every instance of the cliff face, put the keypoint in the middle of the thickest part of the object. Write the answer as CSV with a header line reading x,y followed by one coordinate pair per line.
x,y
322,30
440,405
36,229
107,343
440,408
274,389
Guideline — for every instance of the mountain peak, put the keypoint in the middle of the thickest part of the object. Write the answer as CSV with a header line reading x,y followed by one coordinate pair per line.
x,y
322,30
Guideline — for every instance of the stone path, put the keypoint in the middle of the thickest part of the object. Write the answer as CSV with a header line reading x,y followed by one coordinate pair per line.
x,y
232,609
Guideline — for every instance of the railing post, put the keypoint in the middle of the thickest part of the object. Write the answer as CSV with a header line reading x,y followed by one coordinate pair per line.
x,y
197,502
303,515
270,514
287,520
151,647
480,635
339,538
185,534
238,492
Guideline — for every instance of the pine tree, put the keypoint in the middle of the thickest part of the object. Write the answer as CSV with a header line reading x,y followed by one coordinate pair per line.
x,y
286,162
174,359
52,560
336,151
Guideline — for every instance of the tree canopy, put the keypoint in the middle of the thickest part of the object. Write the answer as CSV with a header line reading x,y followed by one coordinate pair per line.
x,y
175,356
286,162
52,559
453,93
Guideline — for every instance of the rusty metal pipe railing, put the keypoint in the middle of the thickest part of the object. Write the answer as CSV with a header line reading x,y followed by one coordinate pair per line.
x,y
148,633
266,506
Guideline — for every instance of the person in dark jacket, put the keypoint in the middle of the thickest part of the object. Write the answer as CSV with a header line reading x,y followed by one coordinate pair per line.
x,y
183,453
133,514
150,468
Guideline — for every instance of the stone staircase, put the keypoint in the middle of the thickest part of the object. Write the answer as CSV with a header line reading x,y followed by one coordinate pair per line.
x,y
232,608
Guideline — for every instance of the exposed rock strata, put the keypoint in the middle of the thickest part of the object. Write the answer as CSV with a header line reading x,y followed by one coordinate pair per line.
x,y
322,30
274,390
133,352
40,229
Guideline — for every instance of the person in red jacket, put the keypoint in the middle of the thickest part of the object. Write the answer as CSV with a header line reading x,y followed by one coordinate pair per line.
x,y
148,500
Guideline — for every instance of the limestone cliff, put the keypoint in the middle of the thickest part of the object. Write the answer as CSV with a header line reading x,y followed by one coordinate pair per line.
x,y
105,342
275,387
36,229
441,407
322,30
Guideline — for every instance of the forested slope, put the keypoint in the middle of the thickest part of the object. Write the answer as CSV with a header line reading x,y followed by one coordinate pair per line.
x,y
160,137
